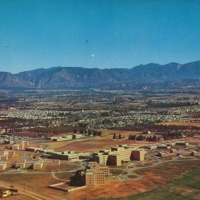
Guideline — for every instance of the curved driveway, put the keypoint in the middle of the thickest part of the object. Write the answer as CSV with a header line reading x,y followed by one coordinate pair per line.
x,y
133,167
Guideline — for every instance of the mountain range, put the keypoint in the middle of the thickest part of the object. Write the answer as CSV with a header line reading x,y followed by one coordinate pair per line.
x,y
150,76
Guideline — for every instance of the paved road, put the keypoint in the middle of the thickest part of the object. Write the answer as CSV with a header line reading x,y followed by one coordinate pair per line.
x,y
54,176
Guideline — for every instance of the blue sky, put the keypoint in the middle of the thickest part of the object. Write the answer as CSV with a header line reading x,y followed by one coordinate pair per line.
x,y
97,33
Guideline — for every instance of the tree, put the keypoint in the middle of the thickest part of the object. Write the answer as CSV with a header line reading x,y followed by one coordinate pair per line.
x,y
154,138
81,131
133,137
75,130
94,133
99,133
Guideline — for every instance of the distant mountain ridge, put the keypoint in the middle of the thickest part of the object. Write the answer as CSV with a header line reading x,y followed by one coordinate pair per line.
x,y
148,76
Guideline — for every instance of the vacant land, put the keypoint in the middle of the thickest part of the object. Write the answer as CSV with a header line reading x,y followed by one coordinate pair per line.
x,y
152,179
20,197
105,140
184,174
36,183
186,186
95,144
181,123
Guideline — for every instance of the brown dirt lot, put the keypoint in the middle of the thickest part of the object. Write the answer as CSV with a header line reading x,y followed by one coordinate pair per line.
x,y
36,184
20,197
117,188
95,144
152,178
114,187
181,123
27,133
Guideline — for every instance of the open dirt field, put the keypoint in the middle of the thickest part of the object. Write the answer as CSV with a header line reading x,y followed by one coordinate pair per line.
x,y
114,187
96,143
34,184
20,197
152,178
181,123
26,133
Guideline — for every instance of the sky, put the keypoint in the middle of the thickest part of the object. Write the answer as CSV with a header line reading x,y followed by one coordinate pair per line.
x,y
97,33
